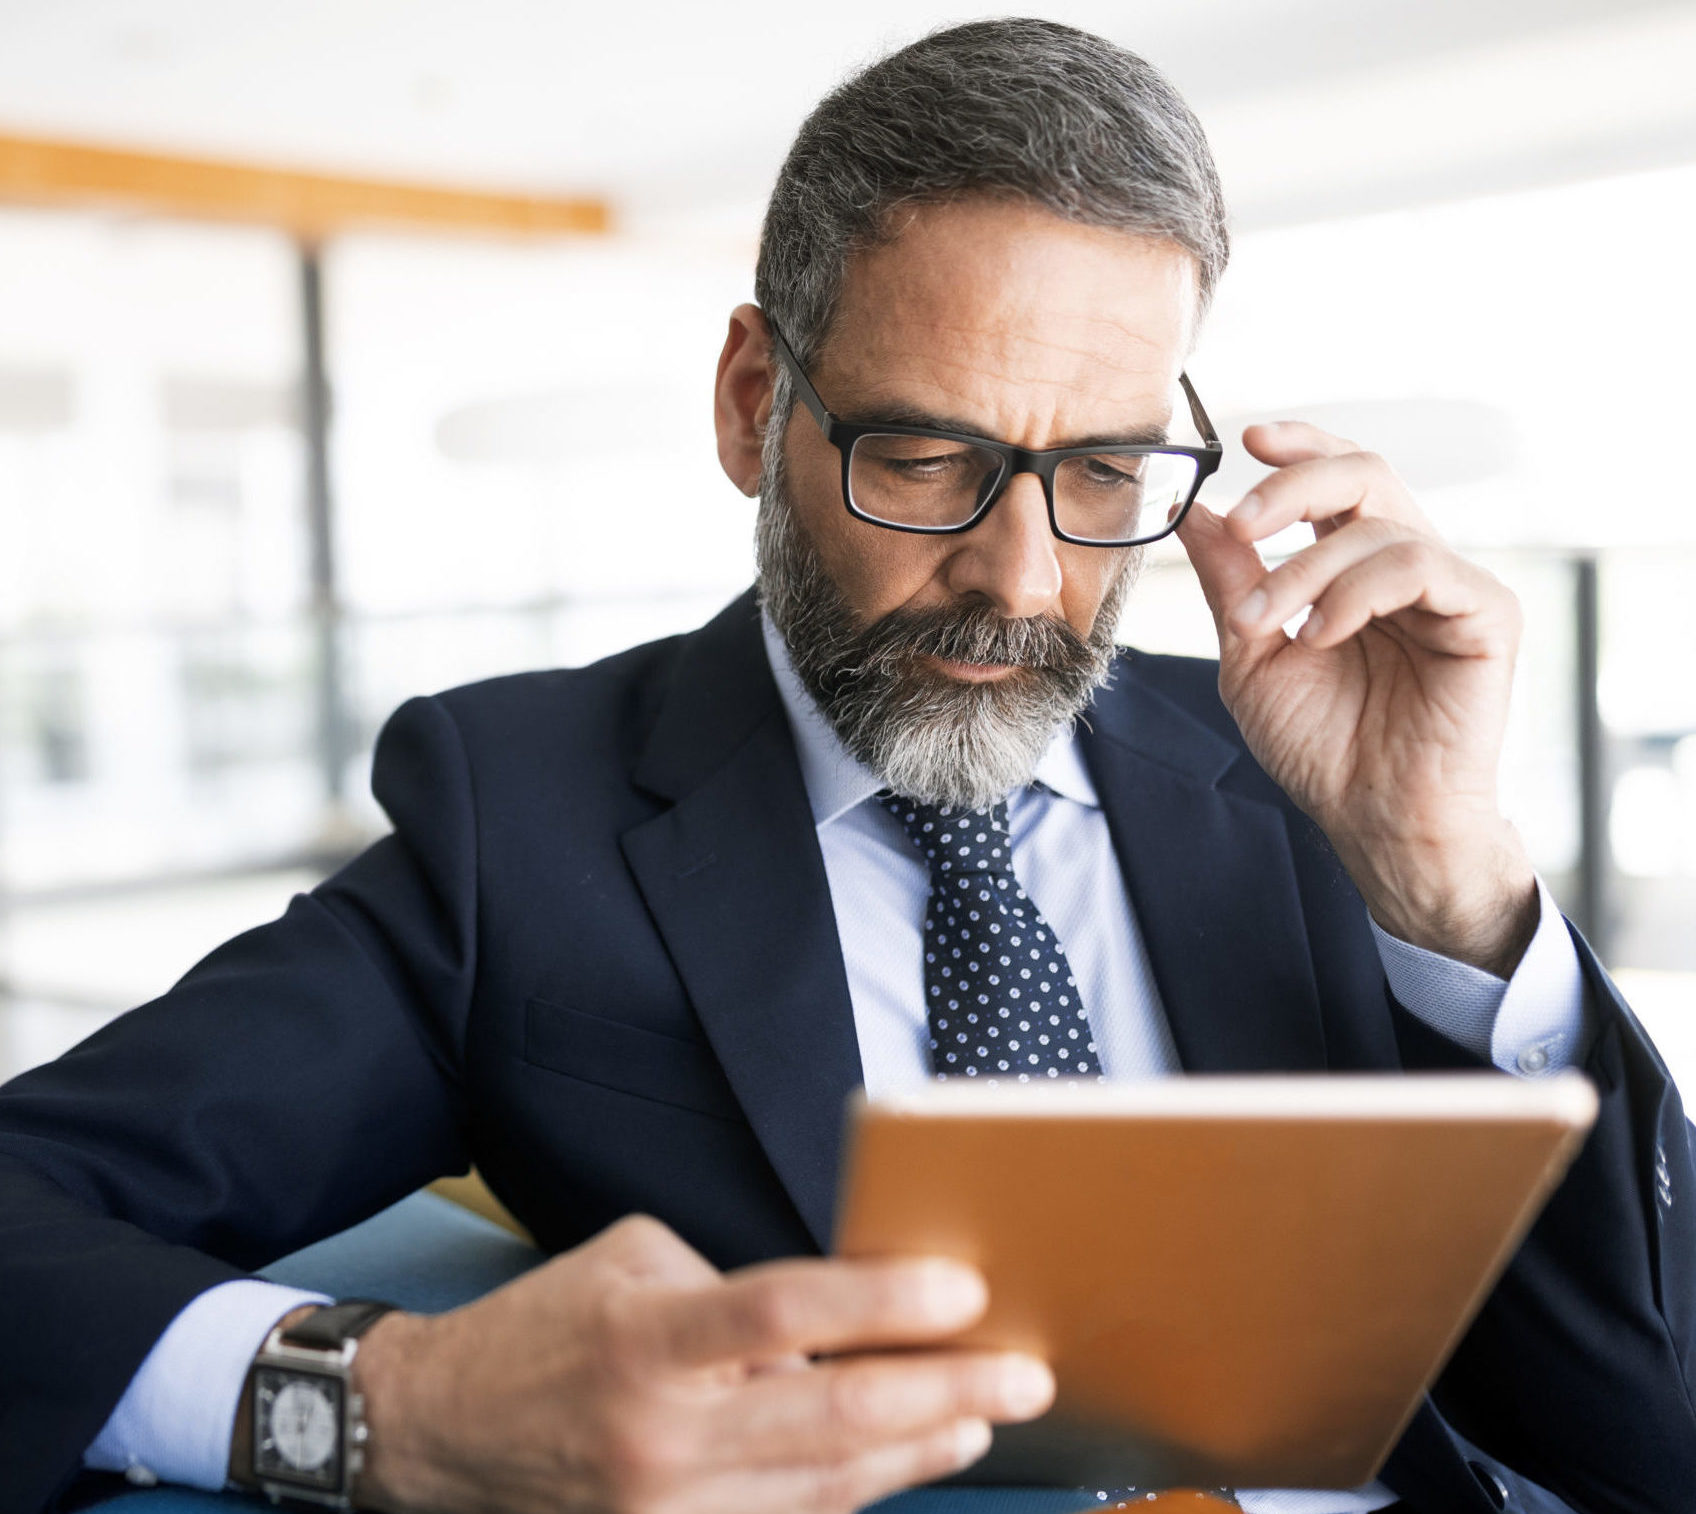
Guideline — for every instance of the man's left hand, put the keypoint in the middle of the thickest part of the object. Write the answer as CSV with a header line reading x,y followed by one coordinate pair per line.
x,y
1383,716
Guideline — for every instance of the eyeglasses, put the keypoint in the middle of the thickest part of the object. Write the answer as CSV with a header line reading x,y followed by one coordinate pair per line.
x,y
938,483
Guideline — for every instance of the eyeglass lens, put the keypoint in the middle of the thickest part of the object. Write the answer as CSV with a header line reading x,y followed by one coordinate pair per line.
x,y
1102,497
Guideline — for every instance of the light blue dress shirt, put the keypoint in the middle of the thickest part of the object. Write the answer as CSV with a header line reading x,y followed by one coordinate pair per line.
x,y
174,1420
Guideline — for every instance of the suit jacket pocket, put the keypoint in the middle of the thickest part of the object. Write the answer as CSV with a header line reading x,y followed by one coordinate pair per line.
x,y
632,1060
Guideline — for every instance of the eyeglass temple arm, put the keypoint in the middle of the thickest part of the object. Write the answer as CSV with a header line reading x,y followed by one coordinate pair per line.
x,y
803,386
1202,424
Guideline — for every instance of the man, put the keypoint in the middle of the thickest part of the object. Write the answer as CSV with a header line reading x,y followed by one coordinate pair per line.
x,y
642,926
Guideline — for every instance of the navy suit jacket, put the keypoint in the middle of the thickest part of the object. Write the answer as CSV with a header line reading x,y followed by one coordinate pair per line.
x,y
597,957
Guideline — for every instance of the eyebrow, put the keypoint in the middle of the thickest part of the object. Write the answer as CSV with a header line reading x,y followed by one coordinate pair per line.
x,y
925,420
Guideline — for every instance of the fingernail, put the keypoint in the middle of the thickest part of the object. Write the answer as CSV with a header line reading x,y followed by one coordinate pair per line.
x,y
971,1440
1248,613
1027,1386
1248,507
1312,626
953,1294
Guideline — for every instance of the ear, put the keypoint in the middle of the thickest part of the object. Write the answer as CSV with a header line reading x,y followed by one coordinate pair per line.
x,y
742,397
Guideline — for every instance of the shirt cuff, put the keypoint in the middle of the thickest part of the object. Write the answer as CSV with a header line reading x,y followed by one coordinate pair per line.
x,y
173,1423
1538,1021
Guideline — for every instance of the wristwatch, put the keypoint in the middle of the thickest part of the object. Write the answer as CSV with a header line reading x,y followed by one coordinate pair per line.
x,y
308,1425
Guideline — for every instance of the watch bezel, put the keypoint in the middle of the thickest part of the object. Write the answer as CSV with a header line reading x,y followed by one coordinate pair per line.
x,y
279,1357
270,1465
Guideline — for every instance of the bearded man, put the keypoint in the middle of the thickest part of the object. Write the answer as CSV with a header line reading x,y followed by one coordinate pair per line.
x,y
642,927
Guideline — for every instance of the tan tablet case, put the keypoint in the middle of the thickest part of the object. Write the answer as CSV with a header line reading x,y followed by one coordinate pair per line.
x,y
1239,1282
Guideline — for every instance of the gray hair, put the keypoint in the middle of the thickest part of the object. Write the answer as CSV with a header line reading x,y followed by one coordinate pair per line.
x,y
1016,108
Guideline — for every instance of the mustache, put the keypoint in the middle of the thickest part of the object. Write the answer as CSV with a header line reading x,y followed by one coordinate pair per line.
x,y
974,633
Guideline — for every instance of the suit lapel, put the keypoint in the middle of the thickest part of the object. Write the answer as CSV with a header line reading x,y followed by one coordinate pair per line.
x,y
1212,884
734,879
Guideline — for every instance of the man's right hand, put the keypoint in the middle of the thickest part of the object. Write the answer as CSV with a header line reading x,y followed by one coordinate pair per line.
x,y
631,1375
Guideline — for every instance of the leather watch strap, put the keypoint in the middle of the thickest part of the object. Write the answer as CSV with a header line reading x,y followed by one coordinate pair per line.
x,y
325,1329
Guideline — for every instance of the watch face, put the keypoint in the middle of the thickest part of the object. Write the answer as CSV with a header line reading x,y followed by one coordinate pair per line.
x,y
297,1425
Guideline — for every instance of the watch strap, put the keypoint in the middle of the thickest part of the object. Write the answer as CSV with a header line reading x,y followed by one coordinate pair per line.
x,y
325,1329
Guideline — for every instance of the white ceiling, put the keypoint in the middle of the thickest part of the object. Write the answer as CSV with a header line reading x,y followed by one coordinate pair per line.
x,y
684,109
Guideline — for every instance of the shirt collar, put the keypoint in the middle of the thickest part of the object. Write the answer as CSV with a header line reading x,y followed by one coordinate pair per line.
x,y
837,781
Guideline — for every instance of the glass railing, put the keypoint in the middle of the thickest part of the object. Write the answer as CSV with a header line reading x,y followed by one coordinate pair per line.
x,y
174,774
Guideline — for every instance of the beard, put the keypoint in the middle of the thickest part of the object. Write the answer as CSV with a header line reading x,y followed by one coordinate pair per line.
x,y
929,737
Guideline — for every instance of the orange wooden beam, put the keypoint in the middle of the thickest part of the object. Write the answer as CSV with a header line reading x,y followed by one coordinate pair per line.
x,y
306,204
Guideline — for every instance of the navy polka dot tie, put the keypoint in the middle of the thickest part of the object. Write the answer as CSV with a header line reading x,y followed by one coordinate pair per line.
x,y
1001,999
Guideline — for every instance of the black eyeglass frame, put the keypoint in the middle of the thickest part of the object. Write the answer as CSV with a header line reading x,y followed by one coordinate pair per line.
x,y
843,435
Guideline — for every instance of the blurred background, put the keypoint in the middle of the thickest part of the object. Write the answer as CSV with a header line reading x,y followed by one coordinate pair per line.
x,y
356,348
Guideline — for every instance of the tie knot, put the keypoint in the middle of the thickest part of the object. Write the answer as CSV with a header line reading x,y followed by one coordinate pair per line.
x,y
955,840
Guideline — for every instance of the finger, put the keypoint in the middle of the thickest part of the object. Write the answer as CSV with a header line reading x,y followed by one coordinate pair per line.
x,y
874,1474
784,1361
1459,609
842,1408
1229,570
816,1305
1296,583
1283,442
1320,490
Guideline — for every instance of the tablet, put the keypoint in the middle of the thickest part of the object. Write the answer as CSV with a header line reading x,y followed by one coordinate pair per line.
x,y
1238,1281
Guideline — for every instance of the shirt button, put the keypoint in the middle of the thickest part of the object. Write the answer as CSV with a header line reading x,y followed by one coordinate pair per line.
x,y
1533,1060
1494,1488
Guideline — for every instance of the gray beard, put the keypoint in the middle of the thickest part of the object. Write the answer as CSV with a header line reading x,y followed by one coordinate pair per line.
x,y
927,736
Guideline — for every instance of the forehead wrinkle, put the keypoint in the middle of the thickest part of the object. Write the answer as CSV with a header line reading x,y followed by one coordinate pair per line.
x,y
1006,351
971,267
949,390
892,406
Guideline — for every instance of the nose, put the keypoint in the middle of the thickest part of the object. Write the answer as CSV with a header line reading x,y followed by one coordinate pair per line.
x,y
1008,557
